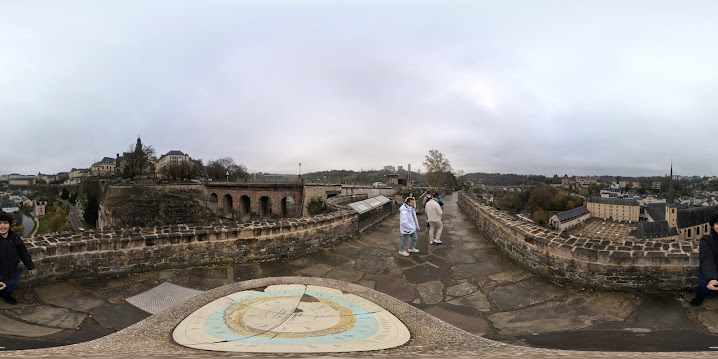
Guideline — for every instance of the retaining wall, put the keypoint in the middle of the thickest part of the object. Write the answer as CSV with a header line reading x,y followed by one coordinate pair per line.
x,y
65,255
621,263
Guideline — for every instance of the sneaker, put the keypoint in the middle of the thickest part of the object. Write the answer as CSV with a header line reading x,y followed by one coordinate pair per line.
x,y
401,253
413,250
436,241
10,299
696,302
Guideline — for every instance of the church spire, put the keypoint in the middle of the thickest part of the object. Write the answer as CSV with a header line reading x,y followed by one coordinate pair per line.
x,y
670,186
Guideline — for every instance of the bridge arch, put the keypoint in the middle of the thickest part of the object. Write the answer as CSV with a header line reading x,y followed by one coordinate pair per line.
x,y
227,206
244,207
265,207
288,207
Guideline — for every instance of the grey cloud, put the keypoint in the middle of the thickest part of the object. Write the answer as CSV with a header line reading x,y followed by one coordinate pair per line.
x,y
520,87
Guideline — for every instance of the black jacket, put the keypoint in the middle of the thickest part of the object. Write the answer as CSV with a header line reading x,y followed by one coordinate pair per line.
x,y
708,255
12,250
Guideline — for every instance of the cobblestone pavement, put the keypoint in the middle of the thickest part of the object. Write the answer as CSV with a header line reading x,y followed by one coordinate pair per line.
x,y
465,281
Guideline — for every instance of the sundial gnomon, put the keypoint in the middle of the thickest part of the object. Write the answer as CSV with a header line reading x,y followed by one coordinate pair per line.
x,y
291,318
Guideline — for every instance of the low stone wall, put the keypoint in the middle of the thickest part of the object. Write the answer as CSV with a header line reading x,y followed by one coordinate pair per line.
x,y
63,256
623,263
339,203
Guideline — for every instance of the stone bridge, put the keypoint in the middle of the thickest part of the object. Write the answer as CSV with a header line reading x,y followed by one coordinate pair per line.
x,y
256,201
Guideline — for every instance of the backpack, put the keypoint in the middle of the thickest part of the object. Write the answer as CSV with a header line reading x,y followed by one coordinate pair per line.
x,y
441,201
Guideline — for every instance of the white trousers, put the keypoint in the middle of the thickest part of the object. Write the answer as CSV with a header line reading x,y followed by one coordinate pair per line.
x,y
435,229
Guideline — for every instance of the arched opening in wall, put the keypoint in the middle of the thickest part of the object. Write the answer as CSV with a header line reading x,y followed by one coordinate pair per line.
x,y
265,207
288,207
213,202
244,207
227,206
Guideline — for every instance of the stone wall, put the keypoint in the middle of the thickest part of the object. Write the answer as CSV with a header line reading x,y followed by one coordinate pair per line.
x,y
149,206
370,191
317,190
104,252
623,263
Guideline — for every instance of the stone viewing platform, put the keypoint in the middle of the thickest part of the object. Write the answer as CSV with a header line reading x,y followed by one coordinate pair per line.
x,y
462,298
620,263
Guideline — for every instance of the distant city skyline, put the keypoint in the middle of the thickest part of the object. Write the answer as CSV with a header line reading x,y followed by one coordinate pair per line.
x,y
550,87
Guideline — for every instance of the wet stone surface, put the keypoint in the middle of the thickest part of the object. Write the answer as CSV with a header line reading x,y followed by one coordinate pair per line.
x,y
465,281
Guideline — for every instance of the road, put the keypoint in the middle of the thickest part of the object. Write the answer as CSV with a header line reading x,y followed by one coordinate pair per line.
x,y
72,216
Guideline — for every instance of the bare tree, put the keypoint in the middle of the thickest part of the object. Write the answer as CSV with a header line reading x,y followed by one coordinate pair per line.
x,y
438,170
219,168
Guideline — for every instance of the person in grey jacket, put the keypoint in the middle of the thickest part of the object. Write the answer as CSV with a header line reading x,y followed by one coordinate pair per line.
x,y
408,225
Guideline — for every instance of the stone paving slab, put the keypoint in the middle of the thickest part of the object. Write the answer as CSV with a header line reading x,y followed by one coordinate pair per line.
x,y
346,276
246,272
478,270
431,292
369,264
10,326
579,311
477,300
49,316
316,271
524,294
662,312
119,316
469,322
25,297
67,295
461,290
424,273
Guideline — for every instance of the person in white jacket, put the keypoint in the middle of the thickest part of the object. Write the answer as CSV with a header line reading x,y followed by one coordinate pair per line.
x,y
408,225
434,213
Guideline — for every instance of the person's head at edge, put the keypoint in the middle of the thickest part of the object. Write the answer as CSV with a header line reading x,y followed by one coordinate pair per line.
x,y
5,223
713,221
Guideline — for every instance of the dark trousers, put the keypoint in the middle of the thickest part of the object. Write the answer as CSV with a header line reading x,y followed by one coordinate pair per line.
x,y
10,285
702,290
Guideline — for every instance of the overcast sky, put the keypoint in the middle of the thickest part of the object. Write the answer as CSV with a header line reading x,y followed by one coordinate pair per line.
x,y
544,87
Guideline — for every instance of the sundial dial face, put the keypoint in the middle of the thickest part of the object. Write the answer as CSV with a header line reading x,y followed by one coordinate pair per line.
x,y
291,319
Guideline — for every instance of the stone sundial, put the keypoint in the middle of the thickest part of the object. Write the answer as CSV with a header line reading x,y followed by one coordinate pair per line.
x,y
291,319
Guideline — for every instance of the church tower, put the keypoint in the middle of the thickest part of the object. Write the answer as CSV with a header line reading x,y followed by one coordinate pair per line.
x,y
671,208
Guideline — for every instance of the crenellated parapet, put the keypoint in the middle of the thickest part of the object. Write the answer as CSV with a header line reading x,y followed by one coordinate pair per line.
x,y
621,263
106,252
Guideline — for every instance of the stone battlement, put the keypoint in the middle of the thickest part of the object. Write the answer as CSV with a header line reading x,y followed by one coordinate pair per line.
x,y
623,263
104,252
